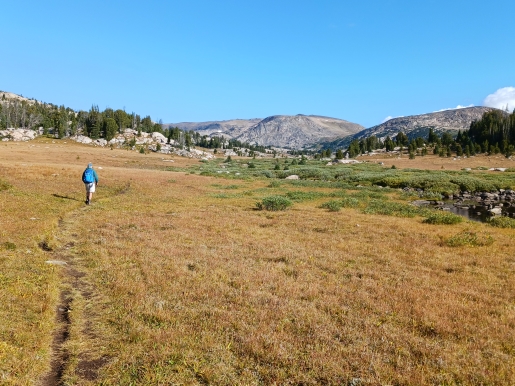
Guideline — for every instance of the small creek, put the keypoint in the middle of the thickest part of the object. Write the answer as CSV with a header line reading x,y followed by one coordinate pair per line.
x,y
479,206
476,212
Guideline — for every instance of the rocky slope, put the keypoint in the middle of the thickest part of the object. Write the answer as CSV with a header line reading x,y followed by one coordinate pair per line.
x,y
229,129
287,131
297,131
418,125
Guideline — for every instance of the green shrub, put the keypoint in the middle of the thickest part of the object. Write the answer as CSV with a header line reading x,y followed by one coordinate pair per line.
x,y
8,246
4,185
390,208
442,217
274,184
502,222
310,173
303,196
252,165
274,203
228,159
336,205
471,239
332,206
264,173
367,194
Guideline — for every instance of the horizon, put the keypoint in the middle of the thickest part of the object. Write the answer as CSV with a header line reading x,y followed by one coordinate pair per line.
x,y
201,62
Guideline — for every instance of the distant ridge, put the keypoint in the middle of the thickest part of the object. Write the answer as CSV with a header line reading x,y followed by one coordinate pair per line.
x,y
288,131
418,125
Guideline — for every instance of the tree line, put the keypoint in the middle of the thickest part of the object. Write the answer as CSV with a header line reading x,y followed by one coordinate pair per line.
x,y
63,121
494,133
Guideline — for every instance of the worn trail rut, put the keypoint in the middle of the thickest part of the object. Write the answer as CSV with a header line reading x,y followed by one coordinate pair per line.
x,y
74,288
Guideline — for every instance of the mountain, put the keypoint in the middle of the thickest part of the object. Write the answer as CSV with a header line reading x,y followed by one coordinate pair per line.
x,y
229,129
297,131
418,125
290,131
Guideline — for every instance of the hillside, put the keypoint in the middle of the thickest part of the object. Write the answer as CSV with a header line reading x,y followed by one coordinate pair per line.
x,y
287,131
419,125
229,129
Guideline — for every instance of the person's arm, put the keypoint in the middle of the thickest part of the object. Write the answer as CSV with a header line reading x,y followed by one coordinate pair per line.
x,y
96,177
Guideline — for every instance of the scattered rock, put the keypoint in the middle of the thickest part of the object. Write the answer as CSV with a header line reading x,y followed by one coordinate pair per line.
x,y
420,202
56,262
293,177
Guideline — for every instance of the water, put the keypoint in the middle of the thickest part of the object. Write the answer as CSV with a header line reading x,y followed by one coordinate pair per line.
x,y
479,213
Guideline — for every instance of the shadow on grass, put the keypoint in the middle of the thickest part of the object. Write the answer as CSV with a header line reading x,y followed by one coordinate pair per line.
x,y
65,197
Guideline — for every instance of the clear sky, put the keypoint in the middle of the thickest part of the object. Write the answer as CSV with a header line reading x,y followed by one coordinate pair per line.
x,y
199,60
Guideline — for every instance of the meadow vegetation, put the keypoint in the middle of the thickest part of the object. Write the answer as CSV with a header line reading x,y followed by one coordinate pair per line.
x,y
185,281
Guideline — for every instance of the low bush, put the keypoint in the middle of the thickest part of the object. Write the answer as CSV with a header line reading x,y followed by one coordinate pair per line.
x,y
390,208
336,205
332,206
309,173
303,196
502,222
4,185
442,217
274,203
471,239
8,246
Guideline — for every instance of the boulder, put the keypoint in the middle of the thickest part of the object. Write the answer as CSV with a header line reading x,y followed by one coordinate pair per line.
x,y
82,139
158,137
495,211
293,177
100,142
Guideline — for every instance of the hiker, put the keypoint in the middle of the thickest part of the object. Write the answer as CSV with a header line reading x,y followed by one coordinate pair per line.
x,y
90,179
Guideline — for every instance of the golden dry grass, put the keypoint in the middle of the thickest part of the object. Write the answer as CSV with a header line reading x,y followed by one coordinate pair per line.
x,y
182,286
432,162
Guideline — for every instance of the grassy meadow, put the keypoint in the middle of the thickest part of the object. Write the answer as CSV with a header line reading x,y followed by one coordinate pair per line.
x,y
174,275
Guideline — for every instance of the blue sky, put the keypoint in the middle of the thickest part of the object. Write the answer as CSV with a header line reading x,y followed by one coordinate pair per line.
x,y
200,60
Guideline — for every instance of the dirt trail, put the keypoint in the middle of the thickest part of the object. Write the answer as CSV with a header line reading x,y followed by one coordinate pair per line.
x,y
75,288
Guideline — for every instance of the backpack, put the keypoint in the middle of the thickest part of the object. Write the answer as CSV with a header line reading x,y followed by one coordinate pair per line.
x,y
88,177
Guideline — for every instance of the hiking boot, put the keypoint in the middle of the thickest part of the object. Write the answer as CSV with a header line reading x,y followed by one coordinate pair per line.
x,y
87,202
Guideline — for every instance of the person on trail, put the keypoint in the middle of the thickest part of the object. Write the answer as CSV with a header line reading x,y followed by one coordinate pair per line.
x,y
90,179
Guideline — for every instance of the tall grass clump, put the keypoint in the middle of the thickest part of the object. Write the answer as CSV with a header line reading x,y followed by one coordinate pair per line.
x,y
336,205
442,217
274,203
391,208
308,173
470,239
4,185
502,222
303,196
331,206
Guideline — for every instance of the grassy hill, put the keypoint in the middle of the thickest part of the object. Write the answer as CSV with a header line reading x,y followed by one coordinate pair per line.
x,y
173,276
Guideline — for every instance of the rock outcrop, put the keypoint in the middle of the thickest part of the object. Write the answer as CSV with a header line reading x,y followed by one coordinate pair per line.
x,y
17,134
